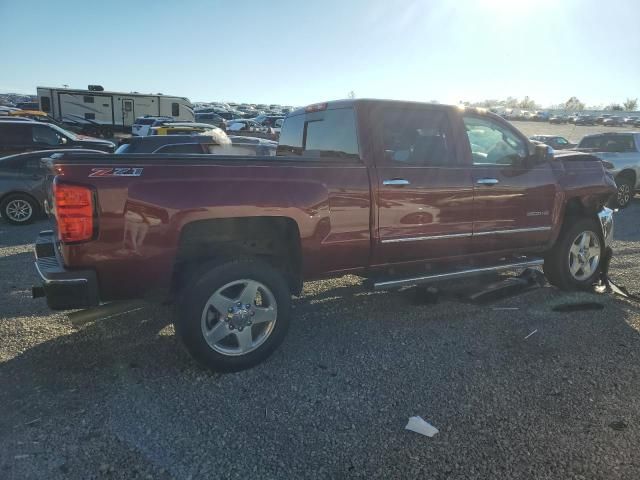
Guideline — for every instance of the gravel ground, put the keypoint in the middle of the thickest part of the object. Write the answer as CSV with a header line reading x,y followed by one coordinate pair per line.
x,y
110,393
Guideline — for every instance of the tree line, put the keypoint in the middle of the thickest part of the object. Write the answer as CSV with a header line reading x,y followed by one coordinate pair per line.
x,y
573,104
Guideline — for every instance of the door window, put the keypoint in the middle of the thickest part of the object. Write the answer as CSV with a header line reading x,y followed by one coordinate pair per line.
x,y
494,144
175,109
128,105
45,135
45,104
416,137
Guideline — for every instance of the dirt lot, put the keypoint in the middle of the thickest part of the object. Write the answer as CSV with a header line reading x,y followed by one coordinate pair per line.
x,y
109,393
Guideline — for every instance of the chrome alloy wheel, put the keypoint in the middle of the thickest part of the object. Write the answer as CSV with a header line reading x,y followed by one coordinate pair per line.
x,y
19,210
239,317
624,194
584,255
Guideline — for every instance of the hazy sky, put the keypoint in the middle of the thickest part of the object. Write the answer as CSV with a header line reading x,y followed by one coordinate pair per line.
x,y
299,52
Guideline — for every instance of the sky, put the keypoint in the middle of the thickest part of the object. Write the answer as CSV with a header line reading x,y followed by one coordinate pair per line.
x,y
294,52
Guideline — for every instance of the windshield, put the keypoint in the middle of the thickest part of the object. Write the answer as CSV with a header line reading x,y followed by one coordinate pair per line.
x,y
67,133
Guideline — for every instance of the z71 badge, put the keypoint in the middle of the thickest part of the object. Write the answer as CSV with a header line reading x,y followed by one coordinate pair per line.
x,y
116,172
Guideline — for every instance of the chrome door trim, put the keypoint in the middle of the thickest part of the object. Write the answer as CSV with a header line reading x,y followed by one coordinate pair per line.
x,y
487,181
433,237
463,235
513,230
396,182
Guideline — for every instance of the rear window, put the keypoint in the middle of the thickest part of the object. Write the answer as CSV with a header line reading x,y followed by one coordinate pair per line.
x,y
12,134
609,143
327,134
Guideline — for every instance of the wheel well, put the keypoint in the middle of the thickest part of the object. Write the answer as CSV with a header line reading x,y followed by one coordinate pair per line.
x,y
273,239
628,174
35,200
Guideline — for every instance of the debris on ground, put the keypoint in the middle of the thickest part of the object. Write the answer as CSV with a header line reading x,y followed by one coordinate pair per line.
x,y
532,333
578,307
530,278
618,425
418,425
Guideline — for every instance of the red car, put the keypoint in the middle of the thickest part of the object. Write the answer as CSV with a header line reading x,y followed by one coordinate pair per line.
x,y
397,192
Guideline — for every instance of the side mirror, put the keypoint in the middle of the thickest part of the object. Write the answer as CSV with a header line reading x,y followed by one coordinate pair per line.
x,y
543,153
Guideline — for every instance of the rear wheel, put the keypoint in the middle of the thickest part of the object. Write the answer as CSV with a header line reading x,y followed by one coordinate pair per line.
x,y
574,261
19,209
234,315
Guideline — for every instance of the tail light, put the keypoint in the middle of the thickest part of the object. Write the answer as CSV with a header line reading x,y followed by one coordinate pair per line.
x,y
74,210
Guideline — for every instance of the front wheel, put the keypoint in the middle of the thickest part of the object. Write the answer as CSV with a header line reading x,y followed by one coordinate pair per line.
x,y
235,315
574,261
624,194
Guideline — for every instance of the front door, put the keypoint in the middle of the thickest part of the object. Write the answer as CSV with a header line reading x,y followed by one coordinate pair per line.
x,y
424,192
513,195
128,114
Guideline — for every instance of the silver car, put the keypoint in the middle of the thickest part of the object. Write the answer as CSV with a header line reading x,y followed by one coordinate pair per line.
x,y
23,184
621,153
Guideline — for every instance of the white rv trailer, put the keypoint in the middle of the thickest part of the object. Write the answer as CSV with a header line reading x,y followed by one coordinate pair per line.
x,y
117,110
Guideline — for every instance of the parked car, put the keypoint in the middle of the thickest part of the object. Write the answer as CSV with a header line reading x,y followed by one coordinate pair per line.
x,y
613,121
21,136
540,116
178,143
212,119
554,141
630,120
600,120
585,120
245,125
621,153
176,128
142,125
262,146
268,120
22,184
558,119
401,193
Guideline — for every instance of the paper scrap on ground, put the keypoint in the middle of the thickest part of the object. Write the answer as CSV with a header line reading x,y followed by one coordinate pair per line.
x,y
418,425
531,334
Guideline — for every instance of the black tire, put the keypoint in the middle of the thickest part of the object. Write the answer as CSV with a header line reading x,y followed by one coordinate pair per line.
x,y
557,261
195,296
625,193
15,201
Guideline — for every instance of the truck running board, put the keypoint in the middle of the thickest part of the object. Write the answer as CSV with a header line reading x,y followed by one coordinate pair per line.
x,y
436,277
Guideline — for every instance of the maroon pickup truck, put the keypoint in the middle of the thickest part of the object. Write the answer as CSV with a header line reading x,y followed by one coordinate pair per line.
x,y
399,193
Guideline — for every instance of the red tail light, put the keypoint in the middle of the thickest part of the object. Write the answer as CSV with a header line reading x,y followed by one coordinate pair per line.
x,y
74,212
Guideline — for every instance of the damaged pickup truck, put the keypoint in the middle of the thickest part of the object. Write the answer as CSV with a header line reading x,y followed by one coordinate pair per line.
x,y
399,193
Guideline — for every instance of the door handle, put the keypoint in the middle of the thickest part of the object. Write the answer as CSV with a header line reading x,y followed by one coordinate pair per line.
x,y
396,182
487,181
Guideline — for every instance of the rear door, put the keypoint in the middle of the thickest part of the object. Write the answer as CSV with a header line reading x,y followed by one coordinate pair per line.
x,y
128,112
15,138
424,189
513,196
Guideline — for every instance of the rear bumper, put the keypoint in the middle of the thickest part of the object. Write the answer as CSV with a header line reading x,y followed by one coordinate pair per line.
x,y
64,289
606,222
